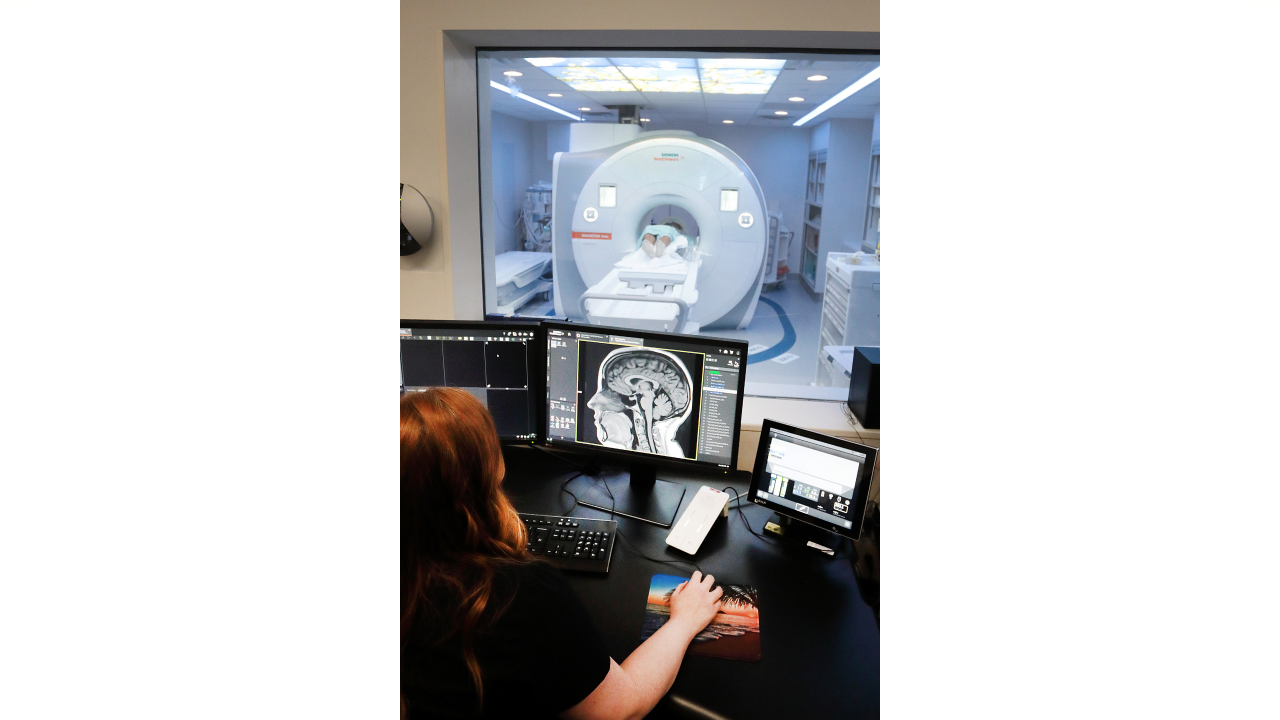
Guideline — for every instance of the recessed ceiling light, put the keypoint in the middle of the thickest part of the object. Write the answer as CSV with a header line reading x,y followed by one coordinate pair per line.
x,y
584,108
554,95
728,122
644,119
796,99
816,78
513,73
779,112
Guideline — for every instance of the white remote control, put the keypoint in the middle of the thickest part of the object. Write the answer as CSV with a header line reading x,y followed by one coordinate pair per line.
x,y
696,522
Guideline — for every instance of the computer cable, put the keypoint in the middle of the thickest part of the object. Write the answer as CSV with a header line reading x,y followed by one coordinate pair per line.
x,y
583,469
742,515
632,546
584,472
848,414
564,488
796,543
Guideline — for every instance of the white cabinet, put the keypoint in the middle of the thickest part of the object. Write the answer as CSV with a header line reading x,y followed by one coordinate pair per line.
x,y
850,310
831,370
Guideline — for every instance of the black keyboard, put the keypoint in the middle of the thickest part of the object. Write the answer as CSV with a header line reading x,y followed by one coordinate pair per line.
x,y
571,543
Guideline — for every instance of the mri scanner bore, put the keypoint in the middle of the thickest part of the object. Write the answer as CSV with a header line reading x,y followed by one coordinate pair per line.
x,y
614,266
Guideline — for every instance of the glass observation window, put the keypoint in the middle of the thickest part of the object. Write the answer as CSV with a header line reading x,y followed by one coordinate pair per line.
x,y
726,194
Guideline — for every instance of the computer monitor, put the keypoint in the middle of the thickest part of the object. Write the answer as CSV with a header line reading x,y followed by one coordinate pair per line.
x,y
498,362
645,400
814,478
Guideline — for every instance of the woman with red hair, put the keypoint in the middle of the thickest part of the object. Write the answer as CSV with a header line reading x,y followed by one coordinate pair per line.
x,y
485,629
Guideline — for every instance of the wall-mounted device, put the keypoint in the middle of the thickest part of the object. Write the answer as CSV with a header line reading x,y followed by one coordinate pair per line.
x,y
416,220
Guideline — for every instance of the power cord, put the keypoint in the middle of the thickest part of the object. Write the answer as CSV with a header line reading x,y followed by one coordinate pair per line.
x,y
848,414
796,543
631,545
741,515
582,469
584,472
564,488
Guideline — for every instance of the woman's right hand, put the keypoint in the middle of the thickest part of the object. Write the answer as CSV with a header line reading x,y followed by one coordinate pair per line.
x,y
694,603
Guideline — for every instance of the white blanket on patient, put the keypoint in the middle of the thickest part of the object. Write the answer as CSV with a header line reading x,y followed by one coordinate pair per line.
x,y
672,257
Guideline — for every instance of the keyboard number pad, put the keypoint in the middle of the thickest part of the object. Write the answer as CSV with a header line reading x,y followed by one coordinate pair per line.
x,y
591,545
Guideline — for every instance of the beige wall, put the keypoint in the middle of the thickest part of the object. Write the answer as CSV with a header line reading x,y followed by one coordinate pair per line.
x,y
443,281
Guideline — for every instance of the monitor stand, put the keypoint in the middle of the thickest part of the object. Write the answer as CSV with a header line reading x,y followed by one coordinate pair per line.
x,y
644,497
803,533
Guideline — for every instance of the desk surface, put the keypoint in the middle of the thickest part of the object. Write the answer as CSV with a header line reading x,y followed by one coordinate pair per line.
x,y
820,643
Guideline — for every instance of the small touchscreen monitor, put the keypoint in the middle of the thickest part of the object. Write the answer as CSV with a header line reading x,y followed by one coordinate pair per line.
x,y
815,478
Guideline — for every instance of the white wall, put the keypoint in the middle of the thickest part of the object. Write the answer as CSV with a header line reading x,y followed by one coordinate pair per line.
x,y
519,160
779,157
512,147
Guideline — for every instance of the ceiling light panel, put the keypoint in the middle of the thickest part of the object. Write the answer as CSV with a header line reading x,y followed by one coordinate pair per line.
x,y
659,75
585,74
738,76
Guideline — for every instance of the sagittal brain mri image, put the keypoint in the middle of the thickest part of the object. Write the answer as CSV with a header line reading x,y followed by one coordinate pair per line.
x,y
640,399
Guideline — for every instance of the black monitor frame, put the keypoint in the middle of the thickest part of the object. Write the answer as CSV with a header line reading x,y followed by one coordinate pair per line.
x,y
629,457
860,489
536,368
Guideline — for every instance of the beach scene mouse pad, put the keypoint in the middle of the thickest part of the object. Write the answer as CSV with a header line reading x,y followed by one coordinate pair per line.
x,y
733,634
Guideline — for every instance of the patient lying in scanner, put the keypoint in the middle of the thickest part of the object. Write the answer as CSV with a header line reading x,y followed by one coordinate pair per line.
x,y
657,238
660,246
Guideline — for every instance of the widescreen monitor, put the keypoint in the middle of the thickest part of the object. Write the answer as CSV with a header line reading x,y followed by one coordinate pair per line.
x,y
645,400
498,362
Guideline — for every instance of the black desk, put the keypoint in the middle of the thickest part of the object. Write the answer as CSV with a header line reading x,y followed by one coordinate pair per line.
x,y
820,642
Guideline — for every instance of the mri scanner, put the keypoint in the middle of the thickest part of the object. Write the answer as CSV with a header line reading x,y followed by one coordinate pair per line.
x,y
607,197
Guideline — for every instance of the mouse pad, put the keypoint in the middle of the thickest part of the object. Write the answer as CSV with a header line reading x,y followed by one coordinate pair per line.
x,y
733,634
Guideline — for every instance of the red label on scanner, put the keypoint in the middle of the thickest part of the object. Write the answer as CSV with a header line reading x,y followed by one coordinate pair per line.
x,y
592,236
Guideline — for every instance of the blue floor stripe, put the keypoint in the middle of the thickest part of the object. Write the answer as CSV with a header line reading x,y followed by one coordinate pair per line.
x,y
788,335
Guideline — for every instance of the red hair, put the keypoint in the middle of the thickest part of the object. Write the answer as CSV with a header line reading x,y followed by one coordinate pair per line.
x,y
457,527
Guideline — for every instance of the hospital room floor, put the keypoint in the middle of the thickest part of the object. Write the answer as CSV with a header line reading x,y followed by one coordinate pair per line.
x,y
783,335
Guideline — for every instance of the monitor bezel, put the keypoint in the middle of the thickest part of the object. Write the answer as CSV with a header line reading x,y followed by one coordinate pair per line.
x,y
860,489
629,456
536,369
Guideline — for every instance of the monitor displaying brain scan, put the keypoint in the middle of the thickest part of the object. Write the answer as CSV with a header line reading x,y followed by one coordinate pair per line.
x,y
642,399
658,395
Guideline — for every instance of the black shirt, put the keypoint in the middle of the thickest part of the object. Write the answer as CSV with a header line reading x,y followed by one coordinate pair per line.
x,y
540,658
